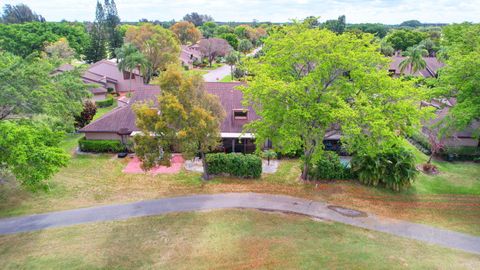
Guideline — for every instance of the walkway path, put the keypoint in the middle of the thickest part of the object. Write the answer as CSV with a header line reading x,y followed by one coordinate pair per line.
x,y
282,203
218,73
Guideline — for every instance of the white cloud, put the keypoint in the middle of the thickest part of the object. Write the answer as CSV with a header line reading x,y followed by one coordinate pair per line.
x,y
385,11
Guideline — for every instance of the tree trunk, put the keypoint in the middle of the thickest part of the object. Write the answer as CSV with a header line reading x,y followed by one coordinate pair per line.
x,y
231,71
205,175
306,164
430,158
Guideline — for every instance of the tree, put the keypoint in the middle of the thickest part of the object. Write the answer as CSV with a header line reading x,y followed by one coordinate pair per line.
x,y
386,49
338,26
378,29
331,81
403,39
197,19
30,151
157,44
231,39
414,59
208,29
189,118
98,42
213,48
232,59
27,88
27,38
241,31
130,59
186,32
112,23
411,23
311,22
19,14
60,50
460,78
245,46
436,144
223,29
86,116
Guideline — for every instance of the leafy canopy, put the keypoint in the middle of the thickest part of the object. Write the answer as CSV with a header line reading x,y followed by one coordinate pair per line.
x,y
311,81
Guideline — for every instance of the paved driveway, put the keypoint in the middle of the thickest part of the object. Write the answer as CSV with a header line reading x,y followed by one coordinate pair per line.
x,y
217,74
281,203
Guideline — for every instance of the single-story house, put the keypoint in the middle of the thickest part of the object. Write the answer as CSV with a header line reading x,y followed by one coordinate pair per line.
x,y
431,70
462,138
106,75
189,54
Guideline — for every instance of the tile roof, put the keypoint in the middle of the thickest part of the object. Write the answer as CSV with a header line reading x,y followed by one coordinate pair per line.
x,y
433,65
230,98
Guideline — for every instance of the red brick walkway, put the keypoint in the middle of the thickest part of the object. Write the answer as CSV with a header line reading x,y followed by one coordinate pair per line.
x,y
176,165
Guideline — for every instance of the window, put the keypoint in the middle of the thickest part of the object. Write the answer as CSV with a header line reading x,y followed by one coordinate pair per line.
x,y
240,114
127,75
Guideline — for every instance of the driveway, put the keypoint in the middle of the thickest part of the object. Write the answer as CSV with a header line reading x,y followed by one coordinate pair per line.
x,y
217,74
316,209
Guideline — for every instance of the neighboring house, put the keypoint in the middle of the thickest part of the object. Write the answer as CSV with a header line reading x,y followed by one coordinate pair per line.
x,y
233,138
189,54
105,75
431,70
457,139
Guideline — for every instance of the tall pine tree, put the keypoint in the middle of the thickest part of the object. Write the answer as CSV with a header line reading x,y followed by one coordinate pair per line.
x,y
112,21
98,42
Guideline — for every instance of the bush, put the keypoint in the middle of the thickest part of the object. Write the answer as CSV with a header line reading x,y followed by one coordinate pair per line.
x,y
104,103
460,153
101,146
394,170
239,165
269,155
330,167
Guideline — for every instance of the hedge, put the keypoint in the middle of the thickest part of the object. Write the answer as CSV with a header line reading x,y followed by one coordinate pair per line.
x,y
101,146
239,165
104,103
461,153
329,167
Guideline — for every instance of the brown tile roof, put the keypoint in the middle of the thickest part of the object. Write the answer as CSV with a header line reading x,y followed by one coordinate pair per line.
x,y
124,117
231,99
433,65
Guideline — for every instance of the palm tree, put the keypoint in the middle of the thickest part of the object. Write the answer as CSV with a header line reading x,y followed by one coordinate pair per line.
x,y
232,59
414,59
130,58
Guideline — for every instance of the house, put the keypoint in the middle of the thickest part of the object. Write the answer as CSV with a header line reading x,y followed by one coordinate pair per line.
x,y
462,138
431,70
109,126
189,54
106,77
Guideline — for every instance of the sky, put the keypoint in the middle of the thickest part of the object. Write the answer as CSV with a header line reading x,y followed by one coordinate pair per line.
x,y
356,11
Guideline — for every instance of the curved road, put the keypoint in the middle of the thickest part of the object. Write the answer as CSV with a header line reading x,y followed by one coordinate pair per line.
x,y
217,74
281,203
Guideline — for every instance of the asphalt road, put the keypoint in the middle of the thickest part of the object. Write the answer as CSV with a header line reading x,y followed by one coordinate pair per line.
x,y
280,203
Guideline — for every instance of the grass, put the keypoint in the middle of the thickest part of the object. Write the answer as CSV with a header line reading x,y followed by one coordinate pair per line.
x,y
449,200
102,111
228,78
235,239
214,66
196,72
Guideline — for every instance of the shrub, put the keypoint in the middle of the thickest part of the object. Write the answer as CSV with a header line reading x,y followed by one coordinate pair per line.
x,y
239,165
394,170
269,155
86,116
329,167
460,153
104,103
101,146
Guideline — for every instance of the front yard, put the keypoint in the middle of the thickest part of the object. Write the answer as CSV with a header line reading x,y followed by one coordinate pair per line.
x,y
450,200
229,239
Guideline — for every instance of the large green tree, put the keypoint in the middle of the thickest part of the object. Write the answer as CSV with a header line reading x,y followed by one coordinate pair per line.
x,y
403,39
97,50
112,23
159,45
19,14
30,151
187,117
460,78
329,82
24,39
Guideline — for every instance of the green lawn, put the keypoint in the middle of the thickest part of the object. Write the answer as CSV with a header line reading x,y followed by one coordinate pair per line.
x,y
449,200
102,111
228,78
229,239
